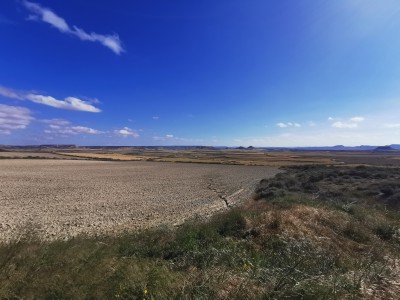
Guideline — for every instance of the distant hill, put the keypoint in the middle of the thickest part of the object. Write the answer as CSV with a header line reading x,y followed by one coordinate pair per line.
x,y
384,149
395,146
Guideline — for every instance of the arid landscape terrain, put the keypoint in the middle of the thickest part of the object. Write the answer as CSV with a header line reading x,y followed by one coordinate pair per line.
x,y
63,198
208,155
68,191
199,223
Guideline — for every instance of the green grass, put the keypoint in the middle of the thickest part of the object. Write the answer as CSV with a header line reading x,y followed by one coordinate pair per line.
x,y
299,242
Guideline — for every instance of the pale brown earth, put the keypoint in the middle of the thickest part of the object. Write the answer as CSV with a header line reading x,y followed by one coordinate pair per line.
x,y
64,198
27,155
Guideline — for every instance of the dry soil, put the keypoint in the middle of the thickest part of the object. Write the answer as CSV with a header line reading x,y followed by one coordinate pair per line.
x,y
64,198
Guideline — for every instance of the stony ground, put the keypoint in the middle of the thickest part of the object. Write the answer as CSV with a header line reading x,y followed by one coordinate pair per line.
x,y
60,199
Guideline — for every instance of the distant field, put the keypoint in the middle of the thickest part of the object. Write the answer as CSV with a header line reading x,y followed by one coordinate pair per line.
x,y
105,156
62,198
31,155
250,157
254,157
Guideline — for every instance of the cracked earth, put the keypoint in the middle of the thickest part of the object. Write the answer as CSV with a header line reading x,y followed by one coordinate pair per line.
x,y
61,199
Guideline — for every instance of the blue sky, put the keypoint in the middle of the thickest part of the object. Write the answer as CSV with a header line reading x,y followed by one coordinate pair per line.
x,y
228,72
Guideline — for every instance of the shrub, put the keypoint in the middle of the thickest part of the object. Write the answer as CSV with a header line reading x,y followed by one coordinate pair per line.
x,y
231,223
356,232
385,231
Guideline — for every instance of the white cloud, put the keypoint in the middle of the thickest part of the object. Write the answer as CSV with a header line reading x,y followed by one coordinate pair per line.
x,y
126,131
344,125
14,117
357,119
69,103
47,16
82,129
155,117
311,124
167,137
351,123
288,124
56,121
9,93
380,127
71,130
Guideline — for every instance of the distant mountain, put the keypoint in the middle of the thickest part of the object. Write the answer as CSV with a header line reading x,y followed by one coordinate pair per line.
x,y
393,147
384,149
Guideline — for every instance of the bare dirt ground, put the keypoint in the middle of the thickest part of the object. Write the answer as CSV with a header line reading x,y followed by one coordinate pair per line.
x,y
64,198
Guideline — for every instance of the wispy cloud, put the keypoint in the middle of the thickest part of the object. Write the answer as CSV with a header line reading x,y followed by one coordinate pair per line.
x,y
288,124
155,117
55,121
10,93
350,123
46,15
63,130
340,124
167,137
69,103
379,128
13,118
357,119
126,131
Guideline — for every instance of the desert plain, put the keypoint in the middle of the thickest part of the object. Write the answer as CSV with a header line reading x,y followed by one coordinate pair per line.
x,y
61,193
64,198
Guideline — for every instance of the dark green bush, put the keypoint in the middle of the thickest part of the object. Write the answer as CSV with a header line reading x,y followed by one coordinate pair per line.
x,y
231,223
385,231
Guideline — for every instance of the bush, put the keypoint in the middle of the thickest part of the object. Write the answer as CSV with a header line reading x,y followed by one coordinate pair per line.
x,y
385,231
231,223
356,232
